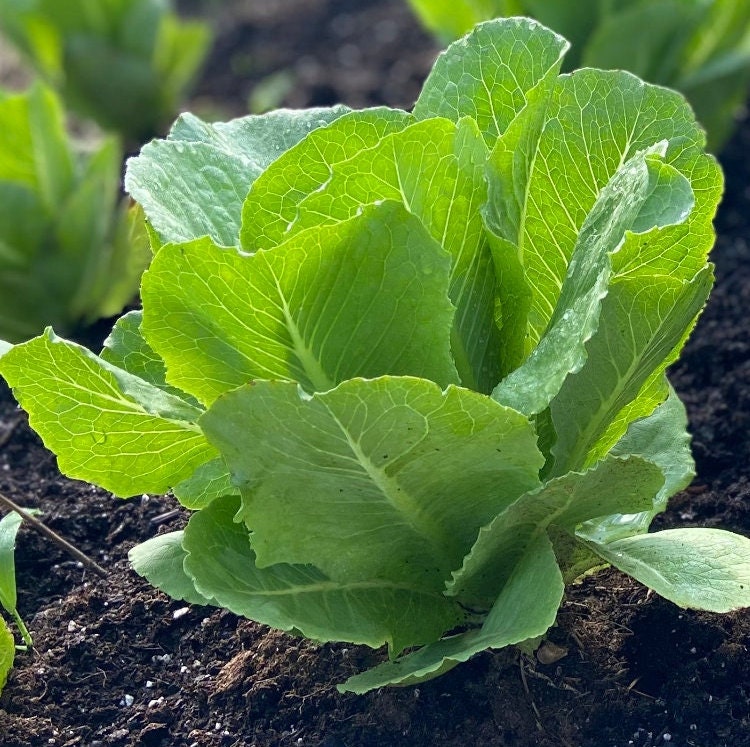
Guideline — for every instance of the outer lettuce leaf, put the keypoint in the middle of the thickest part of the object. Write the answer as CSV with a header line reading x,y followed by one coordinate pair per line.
x,y
707,569
193,183
160,561
615,484
311,310
301,598
105,425
661,438
390,478
525,609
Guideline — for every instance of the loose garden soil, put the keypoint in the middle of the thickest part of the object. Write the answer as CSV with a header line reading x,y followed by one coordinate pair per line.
x,y
118,663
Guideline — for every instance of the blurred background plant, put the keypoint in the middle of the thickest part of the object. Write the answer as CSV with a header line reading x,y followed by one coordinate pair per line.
x,y
699,47
70,250
126,64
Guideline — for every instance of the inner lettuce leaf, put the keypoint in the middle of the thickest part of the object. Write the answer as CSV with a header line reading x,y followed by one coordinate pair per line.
x,y
407,370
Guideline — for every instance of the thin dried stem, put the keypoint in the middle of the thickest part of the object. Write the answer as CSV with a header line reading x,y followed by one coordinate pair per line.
x,y
56,538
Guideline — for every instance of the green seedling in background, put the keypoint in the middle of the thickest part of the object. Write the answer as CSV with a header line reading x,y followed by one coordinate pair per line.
x,y
70,250
698,47
124,63
408,369
9,525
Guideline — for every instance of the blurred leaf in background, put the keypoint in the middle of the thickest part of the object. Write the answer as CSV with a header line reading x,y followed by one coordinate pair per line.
x,y
124,63
68,253
699,47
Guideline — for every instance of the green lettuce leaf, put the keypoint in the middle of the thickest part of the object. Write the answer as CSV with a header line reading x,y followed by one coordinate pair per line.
x,y
106,425
384,479
662,438
160,561
516,616
301,598
210,480
193,183
488,74
435,169
615,484
643,194
311,310
273,201
706,569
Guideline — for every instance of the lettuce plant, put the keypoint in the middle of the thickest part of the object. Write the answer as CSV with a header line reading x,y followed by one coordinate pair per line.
x,y
68,253
407,370
124,63
699,47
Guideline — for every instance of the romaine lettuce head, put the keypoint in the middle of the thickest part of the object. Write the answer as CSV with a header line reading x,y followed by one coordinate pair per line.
x,y
408,369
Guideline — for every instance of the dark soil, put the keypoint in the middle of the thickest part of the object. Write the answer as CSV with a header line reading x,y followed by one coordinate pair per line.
x,y
117,663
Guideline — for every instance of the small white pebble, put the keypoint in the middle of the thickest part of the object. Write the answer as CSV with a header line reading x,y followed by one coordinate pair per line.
x,y
155,702
128,700
667,737
217,726
197,664
177,614
183,669
693,650
149,684
71,626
